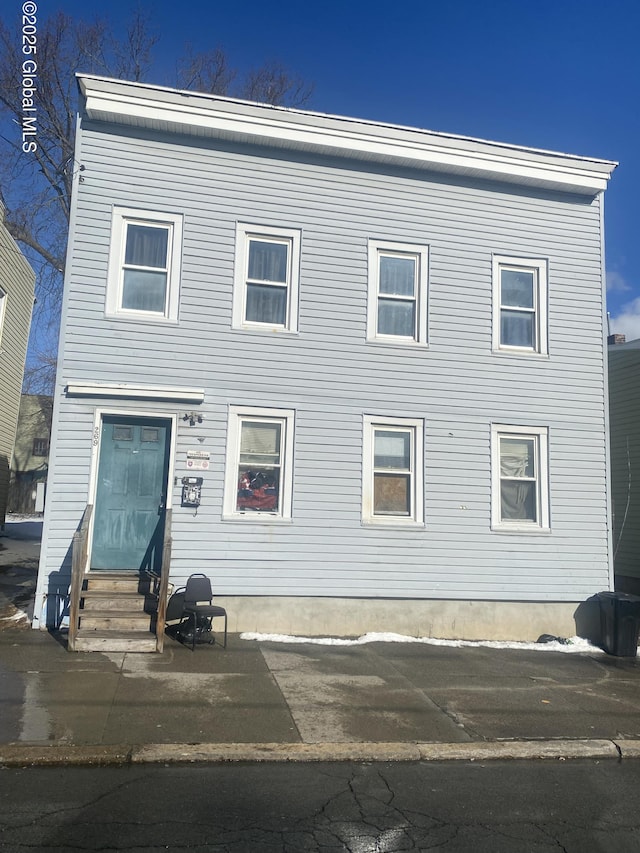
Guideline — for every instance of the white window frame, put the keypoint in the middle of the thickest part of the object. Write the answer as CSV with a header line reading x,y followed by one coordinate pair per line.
x,y
238,414
121,218
416,428
377,249
3,309
538,266
540,437
267,233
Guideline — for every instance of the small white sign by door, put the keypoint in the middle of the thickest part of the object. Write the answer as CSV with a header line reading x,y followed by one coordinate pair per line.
x,y
198,460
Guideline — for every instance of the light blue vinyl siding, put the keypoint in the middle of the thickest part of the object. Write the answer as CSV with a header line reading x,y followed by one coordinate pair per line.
x,y
331,376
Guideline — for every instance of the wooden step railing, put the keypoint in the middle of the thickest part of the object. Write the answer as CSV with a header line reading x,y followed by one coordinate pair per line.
x,y
162,583
159,584
79,551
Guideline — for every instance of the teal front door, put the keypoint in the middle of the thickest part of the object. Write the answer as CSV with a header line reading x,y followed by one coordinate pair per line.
x,y
128,524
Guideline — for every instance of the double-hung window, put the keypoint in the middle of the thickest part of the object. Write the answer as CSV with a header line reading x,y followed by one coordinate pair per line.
x,y
266,278
40,447
393,459
397,293
144,265
259,473
520,499
520,305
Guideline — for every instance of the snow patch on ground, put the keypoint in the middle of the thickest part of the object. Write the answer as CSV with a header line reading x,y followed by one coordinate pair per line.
x,y
28,527
569,646
18,616
18,518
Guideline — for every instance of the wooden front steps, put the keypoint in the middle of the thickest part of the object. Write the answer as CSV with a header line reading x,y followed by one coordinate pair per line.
x,y
117,613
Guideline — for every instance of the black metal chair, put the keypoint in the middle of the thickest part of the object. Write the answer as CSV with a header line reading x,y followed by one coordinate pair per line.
x,y
198,606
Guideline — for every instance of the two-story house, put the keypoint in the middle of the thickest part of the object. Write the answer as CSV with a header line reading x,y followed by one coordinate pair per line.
x,y
362,364
16,303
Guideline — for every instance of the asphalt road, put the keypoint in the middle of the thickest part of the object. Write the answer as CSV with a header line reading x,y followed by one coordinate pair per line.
x,y
452,807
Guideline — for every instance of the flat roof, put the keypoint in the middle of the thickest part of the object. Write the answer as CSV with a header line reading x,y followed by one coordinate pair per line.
x,y
219,117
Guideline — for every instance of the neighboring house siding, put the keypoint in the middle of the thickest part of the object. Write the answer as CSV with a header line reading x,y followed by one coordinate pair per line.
x,y
331,376
624,374
30,462
16,291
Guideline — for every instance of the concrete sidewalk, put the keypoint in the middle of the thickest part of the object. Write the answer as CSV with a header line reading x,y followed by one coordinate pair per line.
x,y
275,701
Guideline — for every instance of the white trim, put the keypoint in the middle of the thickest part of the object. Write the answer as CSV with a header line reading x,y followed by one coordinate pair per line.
x,y
120,219
99,413
416,428
290,236
421,254
539,267
173,110
3,310
541,438
140,392
237,414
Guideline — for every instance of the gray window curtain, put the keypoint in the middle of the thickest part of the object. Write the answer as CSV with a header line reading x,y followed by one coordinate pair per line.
x,y
267,303
517,291
518,487
145,290
397,291
517,329
268,261
146,246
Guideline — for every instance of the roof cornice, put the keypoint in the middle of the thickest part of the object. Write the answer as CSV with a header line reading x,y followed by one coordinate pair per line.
x,y
212,116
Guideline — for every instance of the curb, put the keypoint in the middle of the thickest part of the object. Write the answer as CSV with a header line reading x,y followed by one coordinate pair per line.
x,y
12,755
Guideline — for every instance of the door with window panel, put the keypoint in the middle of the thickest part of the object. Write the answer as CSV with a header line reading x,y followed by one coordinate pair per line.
x,y
131,494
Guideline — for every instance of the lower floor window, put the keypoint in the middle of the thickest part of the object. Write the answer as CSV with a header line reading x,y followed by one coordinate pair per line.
x,y
520,478
259,462
392,488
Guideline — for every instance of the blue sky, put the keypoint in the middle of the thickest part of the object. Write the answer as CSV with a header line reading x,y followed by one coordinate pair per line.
x,y
555,74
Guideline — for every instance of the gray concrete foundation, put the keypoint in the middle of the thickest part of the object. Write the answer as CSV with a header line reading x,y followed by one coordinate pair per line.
x,y
443,619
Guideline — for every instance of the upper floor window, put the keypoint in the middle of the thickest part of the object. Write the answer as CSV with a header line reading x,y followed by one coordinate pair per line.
x,y
259,473
520,478
392,470
520,305
144,264
266,278
397,293
40,447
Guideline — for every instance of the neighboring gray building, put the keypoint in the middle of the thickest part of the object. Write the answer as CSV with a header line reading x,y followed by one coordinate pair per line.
x,y
30,462
16,303
380,349
624,419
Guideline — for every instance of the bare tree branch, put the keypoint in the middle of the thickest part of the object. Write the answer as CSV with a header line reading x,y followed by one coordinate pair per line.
x,y
36,186
206,72
273,84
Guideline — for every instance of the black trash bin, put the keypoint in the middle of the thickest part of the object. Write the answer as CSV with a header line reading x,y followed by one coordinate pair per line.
x,y
620,623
